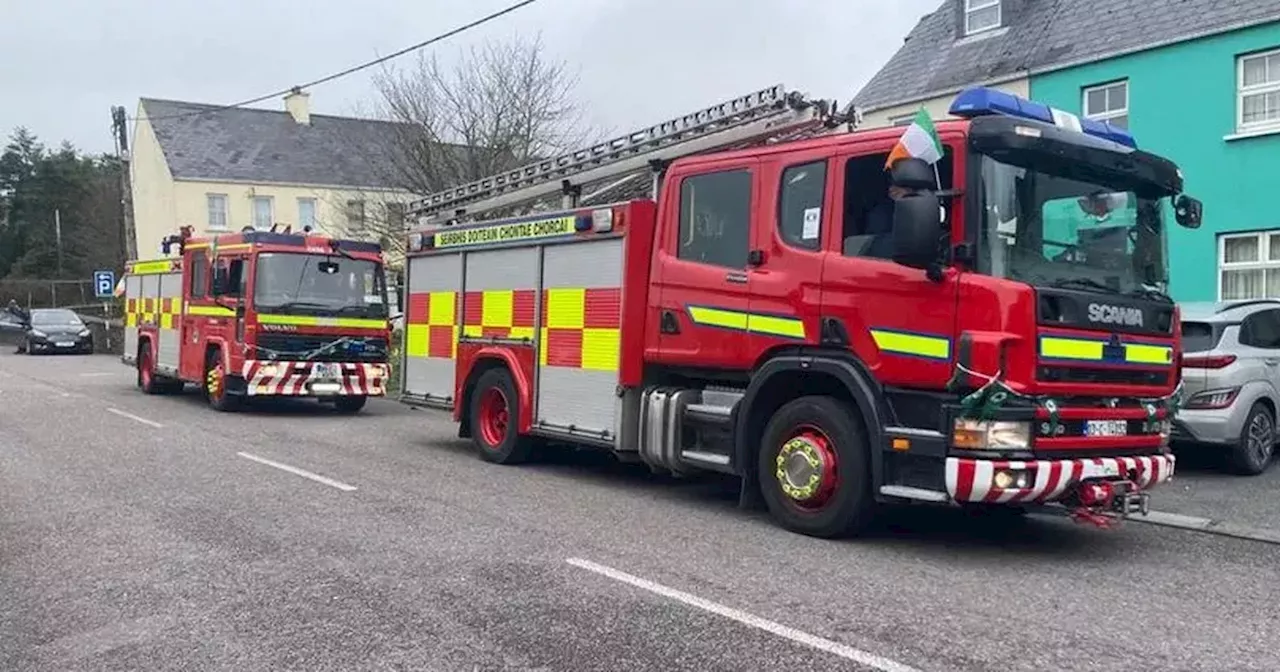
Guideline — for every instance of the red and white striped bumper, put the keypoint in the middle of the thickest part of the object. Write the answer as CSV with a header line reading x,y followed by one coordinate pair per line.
x,y
296,379
974,480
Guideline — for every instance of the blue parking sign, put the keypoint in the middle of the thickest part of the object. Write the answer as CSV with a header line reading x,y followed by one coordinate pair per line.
x,y
104,284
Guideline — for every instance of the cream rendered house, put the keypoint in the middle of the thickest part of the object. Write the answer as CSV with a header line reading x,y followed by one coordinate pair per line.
x,y
220,170
961,44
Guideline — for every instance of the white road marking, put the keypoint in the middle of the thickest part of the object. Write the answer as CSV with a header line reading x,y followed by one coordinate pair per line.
x,y
88,374
835,648
299,472
123,414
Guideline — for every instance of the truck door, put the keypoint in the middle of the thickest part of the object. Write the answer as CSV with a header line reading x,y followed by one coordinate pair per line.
x,y
899,322
700,281
787,254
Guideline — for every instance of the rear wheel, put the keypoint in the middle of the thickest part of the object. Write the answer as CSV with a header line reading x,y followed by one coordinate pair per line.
x,y
350,404
1253,452
495,419
815,468
147,371
215,385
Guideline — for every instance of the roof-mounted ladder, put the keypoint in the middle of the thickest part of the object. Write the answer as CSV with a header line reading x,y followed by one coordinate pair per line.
x,y
768,114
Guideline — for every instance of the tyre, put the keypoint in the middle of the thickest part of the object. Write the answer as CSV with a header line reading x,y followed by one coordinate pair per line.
x,y
495,418
215,385
350,404
815,468
147,372
1253,451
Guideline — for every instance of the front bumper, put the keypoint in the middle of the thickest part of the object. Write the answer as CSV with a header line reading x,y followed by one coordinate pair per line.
x,y
59,343
314,379
973,481
1220,426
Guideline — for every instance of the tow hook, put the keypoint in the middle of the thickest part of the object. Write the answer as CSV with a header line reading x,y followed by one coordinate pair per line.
x,y
1105,503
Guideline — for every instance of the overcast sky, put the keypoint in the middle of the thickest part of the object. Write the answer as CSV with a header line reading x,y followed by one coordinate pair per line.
x,y
64,63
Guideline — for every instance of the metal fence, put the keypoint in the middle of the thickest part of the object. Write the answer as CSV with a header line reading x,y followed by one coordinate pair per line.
x,y
77,295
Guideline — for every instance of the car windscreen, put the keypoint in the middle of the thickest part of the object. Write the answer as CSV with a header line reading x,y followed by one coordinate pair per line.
x,y
1199,336
54,318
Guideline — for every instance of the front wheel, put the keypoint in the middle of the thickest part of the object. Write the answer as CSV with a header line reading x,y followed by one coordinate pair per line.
x,y
215,385
495,419
815,468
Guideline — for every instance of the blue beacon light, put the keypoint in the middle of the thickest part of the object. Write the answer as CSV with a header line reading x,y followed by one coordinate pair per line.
x,y
980,101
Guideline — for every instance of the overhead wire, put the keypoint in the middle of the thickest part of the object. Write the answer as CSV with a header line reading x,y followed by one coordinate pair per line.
x,y
357,68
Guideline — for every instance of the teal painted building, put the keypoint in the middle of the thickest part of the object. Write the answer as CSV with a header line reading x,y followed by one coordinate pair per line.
x,y
1212,105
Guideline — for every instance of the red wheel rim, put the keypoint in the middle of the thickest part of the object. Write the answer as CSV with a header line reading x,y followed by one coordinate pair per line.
x,y
807,469
494,415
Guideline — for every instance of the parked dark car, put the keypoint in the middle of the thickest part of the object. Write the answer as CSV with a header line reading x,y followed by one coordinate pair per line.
x,y
55,330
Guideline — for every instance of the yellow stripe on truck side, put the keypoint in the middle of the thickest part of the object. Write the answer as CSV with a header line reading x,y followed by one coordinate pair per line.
x,y
1088,350
756,323
913,344
210,311
316,321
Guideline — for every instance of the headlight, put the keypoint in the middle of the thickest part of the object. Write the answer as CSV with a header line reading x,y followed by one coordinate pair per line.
x,y
269,370
991,435
84,332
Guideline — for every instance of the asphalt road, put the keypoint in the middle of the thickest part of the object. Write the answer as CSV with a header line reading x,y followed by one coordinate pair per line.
x,y
152,533
1204,486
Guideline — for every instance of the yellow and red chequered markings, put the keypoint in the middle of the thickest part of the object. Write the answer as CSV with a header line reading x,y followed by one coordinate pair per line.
x,y
499,313
431,325
150,311
581,328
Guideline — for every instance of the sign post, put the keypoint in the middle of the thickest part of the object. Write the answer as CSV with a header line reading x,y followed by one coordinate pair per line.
x,y
104,287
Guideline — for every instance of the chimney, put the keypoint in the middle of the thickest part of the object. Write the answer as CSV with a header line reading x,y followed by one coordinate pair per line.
x,y
297,104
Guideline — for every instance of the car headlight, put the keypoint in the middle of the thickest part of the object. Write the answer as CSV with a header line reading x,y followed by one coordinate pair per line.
x,y
84,332
991,435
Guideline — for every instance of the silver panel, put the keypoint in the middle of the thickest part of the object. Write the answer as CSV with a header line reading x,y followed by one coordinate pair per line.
x,y
427,376
132,290
170,287
572,396
502,269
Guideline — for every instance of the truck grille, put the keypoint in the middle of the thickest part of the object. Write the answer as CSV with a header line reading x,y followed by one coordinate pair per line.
x,y
1112,376
299,346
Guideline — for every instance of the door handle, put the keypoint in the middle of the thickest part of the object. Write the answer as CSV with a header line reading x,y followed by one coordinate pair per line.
x,y
736,277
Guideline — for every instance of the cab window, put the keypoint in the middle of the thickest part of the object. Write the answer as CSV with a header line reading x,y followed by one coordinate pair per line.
x,y
800,205
715,218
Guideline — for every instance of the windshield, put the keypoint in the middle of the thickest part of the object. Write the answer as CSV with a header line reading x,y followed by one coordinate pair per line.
x,y
310,284
55,318
1199,336
1046,229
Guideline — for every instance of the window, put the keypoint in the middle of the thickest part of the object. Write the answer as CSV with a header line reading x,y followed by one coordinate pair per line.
x,y
1261,330
715,218
217,204
395,216
1109,102
981,15
800,205
1259,91
199,275
1249,266
355,218
262,215
902,120
306,213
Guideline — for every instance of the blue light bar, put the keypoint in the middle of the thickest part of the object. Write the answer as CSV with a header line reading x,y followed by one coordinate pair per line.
x,y
980,101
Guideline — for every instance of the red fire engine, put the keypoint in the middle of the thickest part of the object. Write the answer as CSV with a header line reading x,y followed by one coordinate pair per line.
x,y
994,337
260,313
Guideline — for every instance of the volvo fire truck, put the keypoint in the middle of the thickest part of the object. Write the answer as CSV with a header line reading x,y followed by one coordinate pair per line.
x,y
260,314
754,289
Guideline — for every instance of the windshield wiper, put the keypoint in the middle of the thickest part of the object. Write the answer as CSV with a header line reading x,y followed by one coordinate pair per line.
x,y
1087,283
306,305
1152,293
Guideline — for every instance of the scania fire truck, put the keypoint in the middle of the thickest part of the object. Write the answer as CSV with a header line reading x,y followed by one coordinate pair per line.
x,y
260,314
782,303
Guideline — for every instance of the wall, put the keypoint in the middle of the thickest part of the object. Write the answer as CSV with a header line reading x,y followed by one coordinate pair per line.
x,y
1182,105
937,107
152,188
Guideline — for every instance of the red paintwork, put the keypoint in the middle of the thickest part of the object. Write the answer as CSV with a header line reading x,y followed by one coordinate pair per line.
x,y
519,359
640,218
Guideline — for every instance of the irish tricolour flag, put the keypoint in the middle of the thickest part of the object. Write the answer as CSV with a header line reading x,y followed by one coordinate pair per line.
x,y
920,141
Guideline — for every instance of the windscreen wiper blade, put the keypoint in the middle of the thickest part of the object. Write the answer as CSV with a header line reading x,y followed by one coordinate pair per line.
x,y
1087,283
309,305
1152,293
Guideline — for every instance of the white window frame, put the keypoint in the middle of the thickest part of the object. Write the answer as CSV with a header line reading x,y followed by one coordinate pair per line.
x,y
209,211
1242,91
973,6
253,212
1264,262
314,213
1108,114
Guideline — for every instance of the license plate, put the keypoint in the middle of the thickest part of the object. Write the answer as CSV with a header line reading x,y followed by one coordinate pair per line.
x,y
64,344
326,371
1106,428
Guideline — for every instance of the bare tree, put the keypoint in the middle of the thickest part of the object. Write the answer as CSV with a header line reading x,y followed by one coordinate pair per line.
x,y
500,105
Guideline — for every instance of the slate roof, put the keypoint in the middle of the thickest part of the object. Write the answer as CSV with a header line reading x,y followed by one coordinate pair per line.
x,y
1042,35
210,142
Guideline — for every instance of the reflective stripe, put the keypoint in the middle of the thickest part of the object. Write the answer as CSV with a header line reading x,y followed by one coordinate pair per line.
x,y
210,311
316,321
914,344
221,248
757,323
156,267
431,328
580,328
1092,350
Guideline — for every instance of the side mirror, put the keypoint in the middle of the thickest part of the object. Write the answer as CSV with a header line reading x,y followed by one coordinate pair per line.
x,y
1188,211
917,227
914,174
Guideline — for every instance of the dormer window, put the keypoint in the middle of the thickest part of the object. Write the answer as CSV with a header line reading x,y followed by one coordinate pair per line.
x,y
981,16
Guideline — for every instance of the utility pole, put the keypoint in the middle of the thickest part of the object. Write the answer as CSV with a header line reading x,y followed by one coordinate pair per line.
x,y
57,237
120,132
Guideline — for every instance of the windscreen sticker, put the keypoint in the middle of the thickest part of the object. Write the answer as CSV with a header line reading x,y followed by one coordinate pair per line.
x,y
812,223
